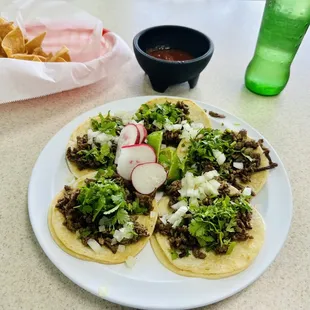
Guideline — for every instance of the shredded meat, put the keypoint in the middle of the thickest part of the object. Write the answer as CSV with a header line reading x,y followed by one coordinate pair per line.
x,y
146,200
172,138
182,106
198,254
74,155
109,245
140,230
172,191
217,115
221,249
244,224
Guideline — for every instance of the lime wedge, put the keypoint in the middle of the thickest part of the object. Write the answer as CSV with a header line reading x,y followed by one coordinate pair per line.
x,y
154,140
174,171
169,159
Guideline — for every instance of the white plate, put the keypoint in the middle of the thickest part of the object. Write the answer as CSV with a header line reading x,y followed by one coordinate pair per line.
x,y
149,285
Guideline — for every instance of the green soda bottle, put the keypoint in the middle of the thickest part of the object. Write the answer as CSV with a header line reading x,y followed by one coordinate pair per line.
x,y
283,27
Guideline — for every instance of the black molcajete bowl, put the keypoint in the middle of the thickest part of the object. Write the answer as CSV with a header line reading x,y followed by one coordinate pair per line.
x,y
163,73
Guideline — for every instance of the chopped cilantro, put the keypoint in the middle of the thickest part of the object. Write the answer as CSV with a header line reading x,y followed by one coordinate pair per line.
x,y
212,225
102,155
158,115
174,254
107,124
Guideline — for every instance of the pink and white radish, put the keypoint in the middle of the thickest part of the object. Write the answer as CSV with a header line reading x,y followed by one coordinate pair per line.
x,y
142,131
133,155
148,177
128,136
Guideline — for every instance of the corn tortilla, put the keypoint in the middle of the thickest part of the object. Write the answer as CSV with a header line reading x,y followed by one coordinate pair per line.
x,y
196,113
213,266
69,242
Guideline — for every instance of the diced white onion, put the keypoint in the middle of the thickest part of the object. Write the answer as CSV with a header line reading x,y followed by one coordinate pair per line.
x,y
238,165
153,214
114,241
197,125
215,184
103,291
101,228
121,248
163,146
176,217
189,132
170,127
211,174
130,262
94,245
179,204
216,153
164,218
247,191
221,159
210,190
126,232
159,195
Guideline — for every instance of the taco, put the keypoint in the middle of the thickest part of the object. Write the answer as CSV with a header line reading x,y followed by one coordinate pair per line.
x,y
240,160
209,231
93,144
177,118
101,218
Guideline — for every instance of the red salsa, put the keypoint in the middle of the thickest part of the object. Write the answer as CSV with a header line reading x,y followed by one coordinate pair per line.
x,y
170,54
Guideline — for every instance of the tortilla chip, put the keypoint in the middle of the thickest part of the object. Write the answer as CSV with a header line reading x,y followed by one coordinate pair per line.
x,y
3,20
49,57
66,57
2,52
13,43
5,28
28,57
59,59
62,52
35,42
39,51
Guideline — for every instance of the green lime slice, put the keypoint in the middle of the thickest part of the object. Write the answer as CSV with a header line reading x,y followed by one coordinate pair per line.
x,y
154,140
174,171
169,159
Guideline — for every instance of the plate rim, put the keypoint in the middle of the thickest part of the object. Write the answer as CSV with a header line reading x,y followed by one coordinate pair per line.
x,y
122,302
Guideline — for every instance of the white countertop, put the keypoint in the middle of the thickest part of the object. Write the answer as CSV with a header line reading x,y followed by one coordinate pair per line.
x,y
29,280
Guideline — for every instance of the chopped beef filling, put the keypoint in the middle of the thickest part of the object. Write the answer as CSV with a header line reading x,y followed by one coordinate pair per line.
x,y
217,115
182,106
182,241
83,162
172,138
76,221
172,190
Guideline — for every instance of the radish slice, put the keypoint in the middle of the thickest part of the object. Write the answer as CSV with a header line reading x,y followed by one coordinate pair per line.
x,y
133,155
148,177
128,136
142,131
